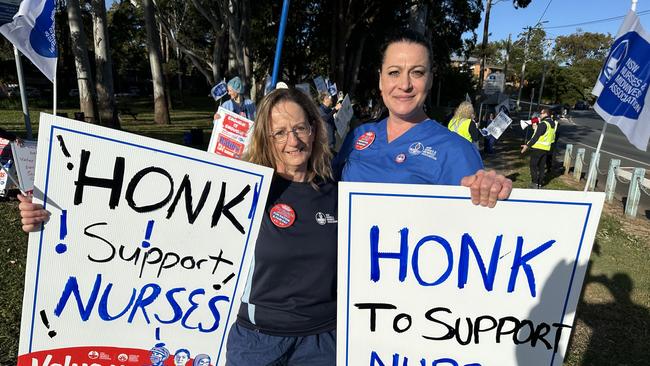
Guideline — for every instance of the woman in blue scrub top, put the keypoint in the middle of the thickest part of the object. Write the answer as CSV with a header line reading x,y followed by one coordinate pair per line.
x,y
407,146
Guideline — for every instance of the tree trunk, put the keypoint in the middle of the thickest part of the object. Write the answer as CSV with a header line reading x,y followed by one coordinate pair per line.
x,y
87,99
486,25
161,110
356,63
104,82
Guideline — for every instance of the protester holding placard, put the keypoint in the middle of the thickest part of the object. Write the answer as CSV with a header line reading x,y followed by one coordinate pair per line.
x,y
327,115
407,146
238,103
288,311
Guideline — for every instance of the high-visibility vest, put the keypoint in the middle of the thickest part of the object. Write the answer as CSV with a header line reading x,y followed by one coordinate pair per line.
x,y
554,127
461,127
545,141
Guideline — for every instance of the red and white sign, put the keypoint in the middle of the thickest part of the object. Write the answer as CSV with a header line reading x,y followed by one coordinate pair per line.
x,y
230,134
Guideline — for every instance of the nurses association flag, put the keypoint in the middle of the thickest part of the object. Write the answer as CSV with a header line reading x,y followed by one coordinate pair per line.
x,y
32,32
622,85
219,91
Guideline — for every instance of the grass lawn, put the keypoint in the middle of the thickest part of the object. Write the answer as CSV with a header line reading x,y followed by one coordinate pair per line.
x,y
613,319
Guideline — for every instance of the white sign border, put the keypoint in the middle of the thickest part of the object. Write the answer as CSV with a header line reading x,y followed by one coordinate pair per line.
x,y
251,214
353,190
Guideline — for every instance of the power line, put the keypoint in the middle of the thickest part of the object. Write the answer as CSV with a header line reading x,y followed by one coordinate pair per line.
x,y
645,12
544,13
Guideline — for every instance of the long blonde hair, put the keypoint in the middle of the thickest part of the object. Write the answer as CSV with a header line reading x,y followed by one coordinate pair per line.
x,y
261,151
465,110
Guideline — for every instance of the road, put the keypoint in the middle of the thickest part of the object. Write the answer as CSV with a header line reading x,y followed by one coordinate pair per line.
x,y
582,129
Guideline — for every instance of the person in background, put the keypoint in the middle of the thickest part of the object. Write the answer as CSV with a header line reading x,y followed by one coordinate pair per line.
x,y
238,103
407,146
201,360
463,123
490,140
550,157
4,134
327,111
539,145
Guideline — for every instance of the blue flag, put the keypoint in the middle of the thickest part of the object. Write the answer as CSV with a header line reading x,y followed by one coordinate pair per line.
x,y
32,32
622,85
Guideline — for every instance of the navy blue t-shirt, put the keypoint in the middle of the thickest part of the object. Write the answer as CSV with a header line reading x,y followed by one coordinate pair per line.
x,y
292,291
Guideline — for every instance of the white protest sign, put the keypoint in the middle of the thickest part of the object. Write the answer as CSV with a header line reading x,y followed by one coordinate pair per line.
x,y
146,252
425,275
231,134
25,160
343,116
499,125
319,82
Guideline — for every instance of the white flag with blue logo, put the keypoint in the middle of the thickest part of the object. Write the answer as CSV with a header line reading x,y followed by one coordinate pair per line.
x,y
623,83
32,32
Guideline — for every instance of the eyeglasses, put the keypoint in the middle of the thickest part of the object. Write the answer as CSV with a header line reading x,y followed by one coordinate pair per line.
x,y
299,132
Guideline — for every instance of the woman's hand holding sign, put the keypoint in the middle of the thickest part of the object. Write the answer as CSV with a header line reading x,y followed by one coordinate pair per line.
x,y
33,214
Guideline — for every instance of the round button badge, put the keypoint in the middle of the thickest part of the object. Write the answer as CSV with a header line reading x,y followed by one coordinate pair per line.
x,y
365,140
282,215
400,158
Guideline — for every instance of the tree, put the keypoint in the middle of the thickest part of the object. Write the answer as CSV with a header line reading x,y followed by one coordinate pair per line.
x,y
581,56
161,108
486,23
237,16
104,75
87,99
128,45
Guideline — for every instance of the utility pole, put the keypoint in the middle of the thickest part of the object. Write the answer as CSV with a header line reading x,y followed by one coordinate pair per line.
x,y
541,87
505,69
523,66
486,25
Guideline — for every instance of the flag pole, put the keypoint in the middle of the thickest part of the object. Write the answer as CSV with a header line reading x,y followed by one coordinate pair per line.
x,y
23,94
591,175
278,45
54,95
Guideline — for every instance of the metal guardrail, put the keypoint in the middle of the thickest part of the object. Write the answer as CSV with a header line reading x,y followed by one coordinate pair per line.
x,y
635,177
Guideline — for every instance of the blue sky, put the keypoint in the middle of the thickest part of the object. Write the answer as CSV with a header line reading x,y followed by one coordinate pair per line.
x,y
504,18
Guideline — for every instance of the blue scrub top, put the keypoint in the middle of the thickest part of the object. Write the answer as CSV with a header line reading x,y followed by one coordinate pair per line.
x,y
428,153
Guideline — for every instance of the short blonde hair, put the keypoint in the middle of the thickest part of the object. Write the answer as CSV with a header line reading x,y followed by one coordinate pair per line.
x,y
261,151
465,110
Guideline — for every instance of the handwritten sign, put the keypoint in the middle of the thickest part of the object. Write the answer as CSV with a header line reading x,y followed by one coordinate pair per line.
x,y
146,252
25,160
230,134
444,282
499,125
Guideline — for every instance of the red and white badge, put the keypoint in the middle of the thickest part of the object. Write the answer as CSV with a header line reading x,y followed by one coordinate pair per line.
x,y
282,215
365,140
400,158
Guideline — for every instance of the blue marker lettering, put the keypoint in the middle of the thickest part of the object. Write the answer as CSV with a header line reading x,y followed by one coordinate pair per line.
x,y
450,257
72,288
466,244
143,301
522,261
375,254
102,309
176,308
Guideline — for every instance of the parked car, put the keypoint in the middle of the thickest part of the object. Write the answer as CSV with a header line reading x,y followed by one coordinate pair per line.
x,y
581,105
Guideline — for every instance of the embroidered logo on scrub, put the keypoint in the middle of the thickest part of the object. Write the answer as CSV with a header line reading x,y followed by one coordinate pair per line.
x,y
282,215
417,148
365,140
325,218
